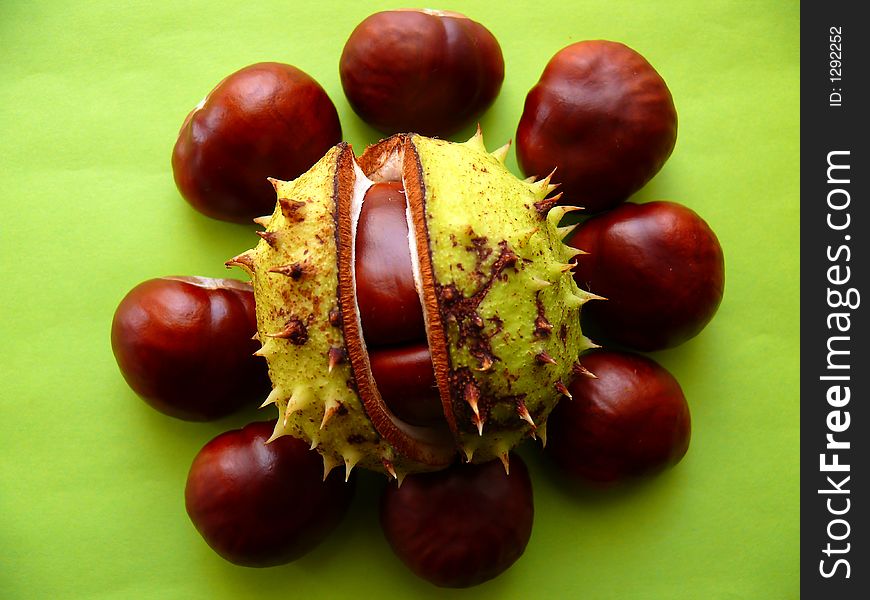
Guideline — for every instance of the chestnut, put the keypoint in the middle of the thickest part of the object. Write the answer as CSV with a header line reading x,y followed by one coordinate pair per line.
x,y
422,70
461,526
265,120
261,504
661,268
389,305
406,380
603,117
184,345
631,421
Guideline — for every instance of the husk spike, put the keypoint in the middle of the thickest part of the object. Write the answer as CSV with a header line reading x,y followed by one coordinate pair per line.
x,y
329,463
331,407
277,432
350,461
476,140
273,397
389,468
523,412
501,153
505,460
245,260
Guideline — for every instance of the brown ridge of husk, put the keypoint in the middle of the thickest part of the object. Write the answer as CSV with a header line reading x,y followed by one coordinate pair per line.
x,y
432,447
372,161
412,172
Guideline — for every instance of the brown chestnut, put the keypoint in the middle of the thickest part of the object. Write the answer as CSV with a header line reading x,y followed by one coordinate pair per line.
x,y
184,345
631,420
461,526
603,117
661,269
406,380
389,305
266,120
428,71
261,504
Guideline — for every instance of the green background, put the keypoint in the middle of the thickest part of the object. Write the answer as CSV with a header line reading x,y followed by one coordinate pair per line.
x,y
91,480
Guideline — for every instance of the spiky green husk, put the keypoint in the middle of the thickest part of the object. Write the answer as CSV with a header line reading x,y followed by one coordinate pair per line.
x,y
501,304
507,299
295,277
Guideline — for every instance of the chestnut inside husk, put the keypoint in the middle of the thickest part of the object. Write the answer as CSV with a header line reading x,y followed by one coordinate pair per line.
x,y
492,279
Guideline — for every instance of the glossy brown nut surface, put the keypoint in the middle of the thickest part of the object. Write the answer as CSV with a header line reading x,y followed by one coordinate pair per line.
x,y
430,72
633,420
184,345
259,504
266,120
603,117
661,268
406,380
389,305
461,526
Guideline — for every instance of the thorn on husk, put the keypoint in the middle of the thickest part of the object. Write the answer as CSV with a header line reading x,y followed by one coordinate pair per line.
x,y
336,357
545,359
505,460
560,387
330,408
270,237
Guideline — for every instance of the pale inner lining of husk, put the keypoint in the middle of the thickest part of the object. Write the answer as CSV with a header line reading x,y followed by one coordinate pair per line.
x,y
361,185
390,170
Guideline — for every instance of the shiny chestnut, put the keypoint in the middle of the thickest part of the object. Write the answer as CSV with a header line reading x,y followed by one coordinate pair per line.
x,y
428,71
266,120
661,268
603,117
461,526
184,345
389,305
261,504
406,381
631,420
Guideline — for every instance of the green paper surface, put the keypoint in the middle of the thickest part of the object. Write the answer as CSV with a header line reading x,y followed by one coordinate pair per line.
x,y
91,480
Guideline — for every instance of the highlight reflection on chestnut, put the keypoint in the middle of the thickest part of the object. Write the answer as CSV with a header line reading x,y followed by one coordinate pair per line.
x,y
388,301
603,117
661,269
428,71
266,120
184,345
259,504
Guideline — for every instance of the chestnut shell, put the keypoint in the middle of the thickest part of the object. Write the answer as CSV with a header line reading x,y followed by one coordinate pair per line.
x,y
389,306
633,420
406,381
431,72
661,268
461,526
603,117
261,504
184,345
265,120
